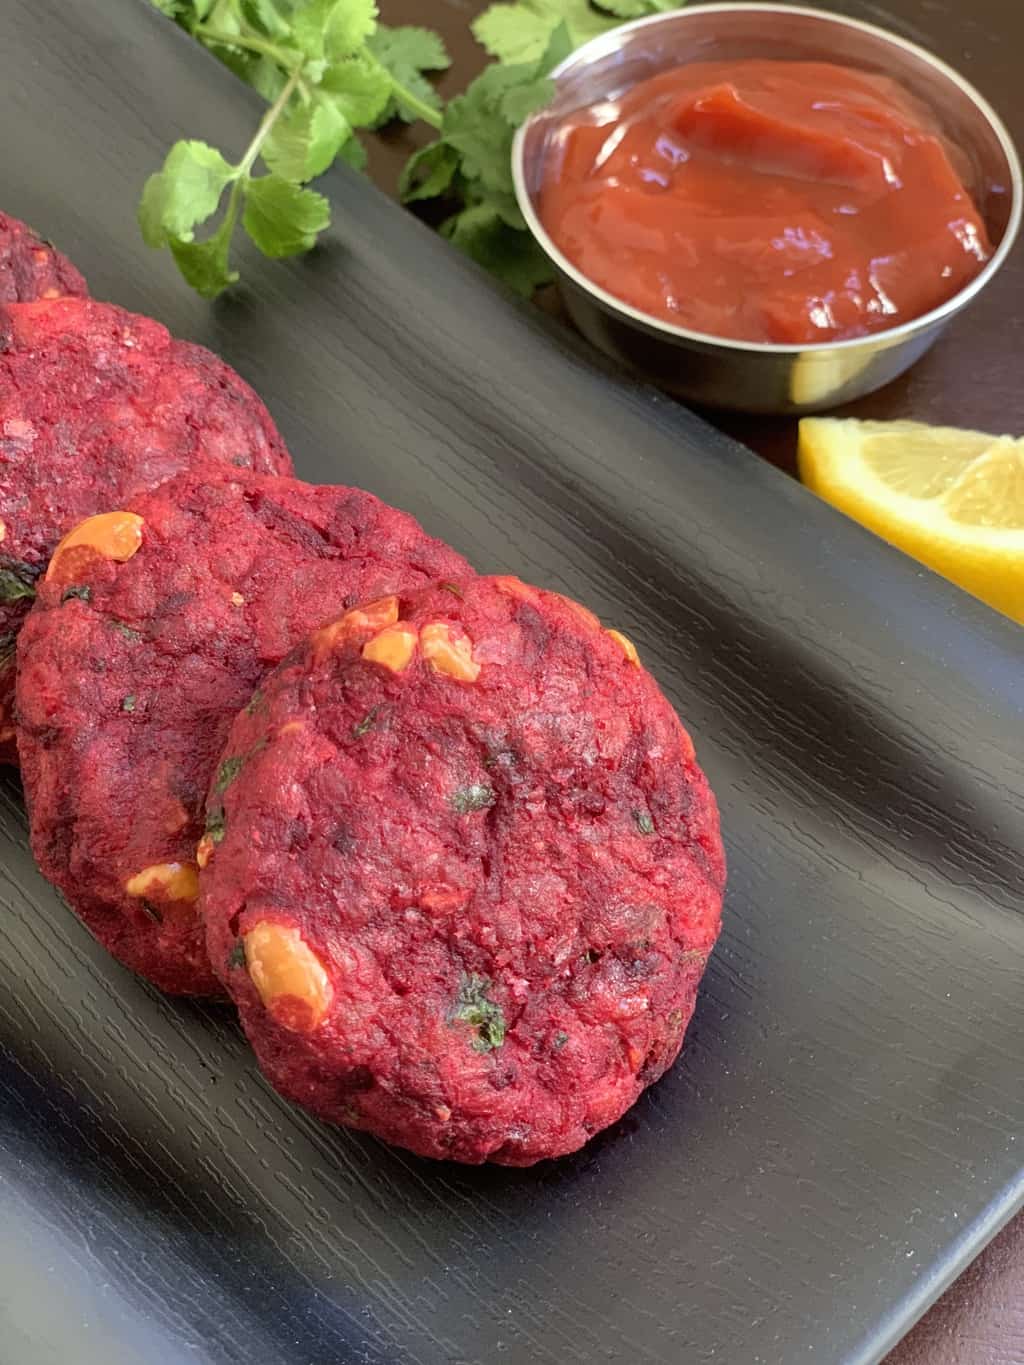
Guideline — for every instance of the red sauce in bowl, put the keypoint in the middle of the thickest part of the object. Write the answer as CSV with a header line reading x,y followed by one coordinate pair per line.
x,y
786,202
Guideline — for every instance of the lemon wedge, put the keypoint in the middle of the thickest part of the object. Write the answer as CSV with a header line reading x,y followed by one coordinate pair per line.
x,y
952,499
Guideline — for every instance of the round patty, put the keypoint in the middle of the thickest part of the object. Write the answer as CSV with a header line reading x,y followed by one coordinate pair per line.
x,y
132,667
97,404
32,269
463,873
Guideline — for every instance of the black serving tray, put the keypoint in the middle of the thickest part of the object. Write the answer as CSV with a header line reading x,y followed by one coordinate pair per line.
x,y
843,1131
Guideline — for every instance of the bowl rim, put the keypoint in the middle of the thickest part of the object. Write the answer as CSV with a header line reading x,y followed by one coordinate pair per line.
x,y
607,42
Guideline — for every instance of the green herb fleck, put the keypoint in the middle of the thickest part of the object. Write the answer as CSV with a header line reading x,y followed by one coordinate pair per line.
x,y
128,703
215,829
254,702
83,593
228,771
560,1040
127,631
153,913
17,580
452,588
473,1008
236,958
468,799
367,723
644,823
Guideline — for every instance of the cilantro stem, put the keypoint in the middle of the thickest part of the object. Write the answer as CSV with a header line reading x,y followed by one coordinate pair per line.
x,y
227,227
419,107
223,39
262,132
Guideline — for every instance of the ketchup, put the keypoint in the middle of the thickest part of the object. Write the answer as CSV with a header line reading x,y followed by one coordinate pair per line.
x,y
788,202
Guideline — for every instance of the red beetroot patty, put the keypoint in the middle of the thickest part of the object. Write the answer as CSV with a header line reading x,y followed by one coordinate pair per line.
x,y
97,404
463,873
131,670
32,269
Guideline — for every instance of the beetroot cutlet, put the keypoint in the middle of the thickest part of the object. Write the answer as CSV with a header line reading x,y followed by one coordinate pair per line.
x,y
463,873
32,269
132,668
97,404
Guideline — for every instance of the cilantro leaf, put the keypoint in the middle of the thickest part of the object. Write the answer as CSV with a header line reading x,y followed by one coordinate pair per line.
x,y
267,16
204,265
304,142
353,153
637,9
508,253
559,47
520,31
479,129
360,88
185,193
349,25
428,172
281,218
309,22
520,102
406,53
332,29
266,77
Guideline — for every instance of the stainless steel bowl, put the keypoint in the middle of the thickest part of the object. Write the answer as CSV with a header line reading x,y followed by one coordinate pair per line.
x,y
753,376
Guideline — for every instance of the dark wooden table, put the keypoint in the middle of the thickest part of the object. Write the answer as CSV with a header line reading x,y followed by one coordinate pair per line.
x,y
974,377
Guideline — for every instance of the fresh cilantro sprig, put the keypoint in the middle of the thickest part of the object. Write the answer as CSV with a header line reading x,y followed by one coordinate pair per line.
x,y
521,31
326,68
